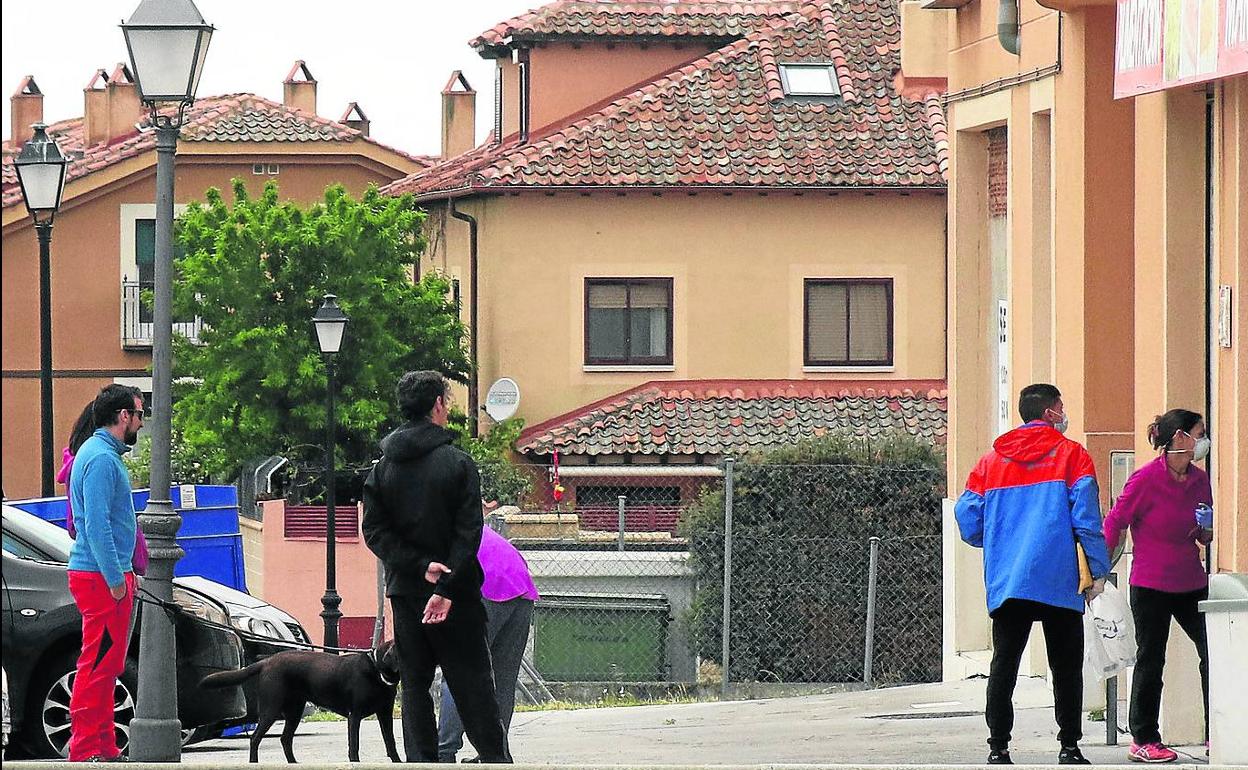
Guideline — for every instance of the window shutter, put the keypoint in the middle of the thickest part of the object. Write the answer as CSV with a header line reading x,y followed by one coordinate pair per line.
x,y
868,322
825,323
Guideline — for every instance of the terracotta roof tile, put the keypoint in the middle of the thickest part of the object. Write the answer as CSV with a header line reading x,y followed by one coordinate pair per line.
x,y
583,19
230,118
722,120
719,417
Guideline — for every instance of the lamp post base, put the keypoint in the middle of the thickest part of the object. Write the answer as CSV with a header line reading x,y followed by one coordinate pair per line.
x,y
155,740
331,615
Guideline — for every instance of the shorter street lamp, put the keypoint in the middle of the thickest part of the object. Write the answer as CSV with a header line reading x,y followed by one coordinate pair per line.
x,y
41,169
330,323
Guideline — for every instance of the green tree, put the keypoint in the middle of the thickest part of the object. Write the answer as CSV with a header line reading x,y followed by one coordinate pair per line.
x,y
255,270
502,479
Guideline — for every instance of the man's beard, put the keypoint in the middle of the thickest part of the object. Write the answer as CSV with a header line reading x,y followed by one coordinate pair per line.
x,y
132,438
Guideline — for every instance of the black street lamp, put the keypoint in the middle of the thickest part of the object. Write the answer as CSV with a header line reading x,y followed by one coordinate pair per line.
x,y
41,169
330,324
167,41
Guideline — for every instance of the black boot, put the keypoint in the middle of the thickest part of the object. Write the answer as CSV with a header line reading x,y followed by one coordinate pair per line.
x,y
999,757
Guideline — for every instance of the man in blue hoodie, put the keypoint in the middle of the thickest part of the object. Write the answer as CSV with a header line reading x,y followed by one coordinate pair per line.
x,y
101,576
1027,502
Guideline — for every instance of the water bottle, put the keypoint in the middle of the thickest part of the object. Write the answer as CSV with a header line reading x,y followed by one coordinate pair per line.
x,y
1204,515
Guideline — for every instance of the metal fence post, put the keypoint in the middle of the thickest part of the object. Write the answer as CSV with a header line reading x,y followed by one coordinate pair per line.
x,y
727,622
622,500
869,651
1111,696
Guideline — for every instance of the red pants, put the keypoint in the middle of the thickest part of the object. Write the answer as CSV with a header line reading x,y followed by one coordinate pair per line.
x,y
105,637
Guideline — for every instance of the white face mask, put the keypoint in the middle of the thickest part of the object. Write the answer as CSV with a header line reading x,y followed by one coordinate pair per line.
x,y
1061,425
1199,451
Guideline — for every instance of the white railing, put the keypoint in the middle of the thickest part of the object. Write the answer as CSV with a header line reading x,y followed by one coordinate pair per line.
x,y
136,318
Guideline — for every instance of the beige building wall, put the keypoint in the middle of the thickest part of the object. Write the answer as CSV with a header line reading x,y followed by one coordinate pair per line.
x,y
737,262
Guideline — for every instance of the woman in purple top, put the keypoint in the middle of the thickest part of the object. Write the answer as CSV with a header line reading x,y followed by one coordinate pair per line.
x,y
509,595
1167,505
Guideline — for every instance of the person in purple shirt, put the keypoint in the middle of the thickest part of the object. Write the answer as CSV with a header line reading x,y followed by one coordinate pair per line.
x,y
509,596
1167,505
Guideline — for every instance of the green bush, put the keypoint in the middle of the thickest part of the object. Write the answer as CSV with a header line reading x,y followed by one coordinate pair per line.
x,y
802,520
501,478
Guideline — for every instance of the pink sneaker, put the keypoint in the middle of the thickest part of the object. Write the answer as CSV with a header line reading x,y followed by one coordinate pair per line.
x,y
1151,752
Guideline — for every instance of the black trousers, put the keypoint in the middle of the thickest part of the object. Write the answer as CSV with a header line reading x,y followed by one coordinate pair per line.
x,y
458,645
1063,639
1152,611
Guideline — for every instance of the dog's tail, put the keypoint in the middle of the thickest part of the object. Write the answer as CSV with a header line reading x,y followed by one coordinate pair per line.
x,y
230,678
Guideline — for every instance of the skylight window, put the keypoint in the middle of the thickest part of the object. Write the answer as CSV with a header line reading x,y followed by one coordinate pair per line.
x,y
809,79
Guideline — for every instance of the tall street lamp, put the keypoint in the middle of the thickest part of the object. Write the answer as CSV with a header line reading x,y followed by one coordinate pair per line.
x,y
330,324
167,41
41,168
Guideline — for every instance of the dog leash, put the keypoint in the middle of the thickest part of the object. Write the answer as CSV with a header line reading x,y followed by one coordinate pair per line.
x,y
173,609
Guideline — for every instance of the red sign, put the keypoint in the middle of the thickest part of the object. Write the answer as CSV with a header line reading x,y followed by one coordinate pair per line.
x,y
1165,43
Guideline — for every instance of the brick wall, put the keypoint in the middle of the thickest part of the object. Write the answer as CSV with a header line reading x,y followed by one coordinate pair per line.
x,y
998,173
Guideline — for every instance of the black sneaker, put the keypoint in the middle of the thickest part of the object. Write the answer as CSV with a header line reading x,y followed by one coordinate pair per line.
x,y
999,757
1071,755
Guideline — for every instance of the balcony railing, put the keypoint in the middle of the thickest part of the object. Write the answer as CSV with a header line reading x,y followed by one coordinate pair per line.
x,y
136,318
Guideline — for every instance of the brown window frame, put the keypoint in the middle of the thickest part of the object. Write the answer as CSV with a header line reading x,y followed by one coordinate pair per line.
x,y
848,283
628,360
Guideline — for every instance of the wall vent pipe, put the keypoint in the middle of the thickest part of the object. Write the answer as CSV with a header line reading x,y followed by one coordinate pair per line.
x,y
1007,25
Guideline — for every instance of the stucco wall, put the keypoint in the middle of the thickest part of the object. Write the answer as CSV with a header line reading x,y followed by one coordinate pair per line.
x,y
737,264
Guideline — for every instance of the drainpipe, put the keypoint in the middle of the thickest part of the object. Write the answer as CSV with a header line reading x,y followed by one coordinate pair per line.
x,y
1007,25
473,409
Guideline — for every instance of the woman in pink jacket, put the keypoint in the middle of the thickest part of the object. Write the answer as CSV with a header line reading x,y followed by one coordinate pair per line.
x,y
1167,505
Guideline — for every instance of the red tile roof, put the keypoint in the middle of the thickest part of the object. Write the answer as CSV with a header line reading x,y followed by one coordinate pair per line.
x,y
231,118
724,120
587,19
723,417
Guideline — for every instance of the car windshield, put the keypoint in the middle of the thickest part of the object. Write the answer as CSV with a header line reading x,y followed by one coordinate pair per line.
x,y
52,541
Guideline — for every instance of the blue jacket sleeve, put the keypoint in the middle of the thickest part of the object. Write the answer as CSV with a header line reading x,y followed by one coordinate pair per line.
x,y
969,510
99,480
1085,515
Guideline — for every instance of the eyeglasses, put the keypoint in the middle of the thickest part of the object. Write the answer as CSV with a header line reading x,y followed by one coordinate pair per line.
x,y
140,413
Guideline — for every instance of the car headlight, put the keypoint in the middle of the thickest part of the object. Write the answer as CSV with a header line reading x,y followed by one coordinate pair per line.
x,y
199,606
251,624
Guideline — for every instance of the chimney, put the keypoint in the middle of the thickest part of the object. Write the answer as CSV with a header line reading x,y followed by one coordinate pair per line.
x,y
125,108
355,118
95,109
300,94
459,116
25,108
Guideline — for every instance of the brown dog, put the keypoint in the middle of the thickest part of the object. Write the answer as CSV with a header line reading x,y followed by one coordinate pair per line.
x,y
355,685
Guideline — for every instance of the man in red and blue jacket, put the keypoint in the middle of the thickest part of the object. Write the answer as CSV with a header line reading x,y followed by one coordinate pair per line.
x,y
1026,504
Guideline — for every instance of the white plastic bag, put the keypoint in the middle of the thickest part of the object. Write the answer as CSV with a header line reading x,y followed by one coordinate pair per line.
x,y
1108,635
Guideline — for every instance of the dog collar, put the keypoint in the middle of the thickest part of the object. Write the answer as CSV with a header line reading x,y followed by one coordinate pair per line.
x,y
372,655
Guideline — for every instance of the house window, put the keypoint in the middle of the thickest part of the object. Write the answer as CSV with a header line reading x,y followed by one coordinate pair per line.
x,y
608,496
628,321
810,79
145,260
849,322
258,169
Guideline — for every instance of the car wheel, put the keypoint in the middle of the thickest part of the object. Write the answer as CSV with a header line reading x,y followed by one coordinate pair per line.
x,y
48,724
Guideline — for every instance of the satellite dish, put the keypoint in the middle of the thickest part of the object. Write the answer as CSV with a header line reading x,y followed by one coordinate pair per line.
x,y
503,399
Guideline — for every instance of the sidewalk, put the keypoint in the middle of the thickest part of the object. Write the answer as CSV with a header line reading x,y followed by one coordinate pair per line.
x,y
937,724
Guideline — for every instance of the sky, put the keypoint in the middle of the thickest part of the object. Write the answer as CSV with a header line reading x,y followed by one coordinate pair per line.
x,y
391,57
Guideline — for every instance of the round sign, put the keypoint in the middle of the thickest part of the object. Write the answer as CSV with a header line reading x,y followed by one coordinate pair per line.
x,y
503,399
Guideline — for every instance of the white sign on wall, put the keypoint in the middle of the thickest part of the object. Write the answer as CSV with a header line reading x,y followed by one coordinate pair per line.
x,y
1224,316
186,497
503,399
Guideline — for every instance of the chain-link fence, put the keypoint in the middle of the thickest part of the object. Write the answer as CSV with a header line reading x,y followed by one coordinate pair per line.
x,y
825,573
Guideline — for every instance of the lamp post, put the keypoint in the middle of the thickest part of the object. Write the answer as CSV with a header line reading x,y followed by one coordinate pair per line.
x,y
41,168
167,41
330,324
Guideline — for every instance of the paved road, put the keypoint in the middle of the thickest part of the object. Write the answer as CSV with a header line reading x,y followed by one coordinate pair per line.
x,y
924,724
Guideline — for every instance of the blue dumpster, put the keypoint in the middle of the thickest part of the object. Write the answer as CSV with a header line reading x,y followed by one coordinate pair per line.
x,y
209,534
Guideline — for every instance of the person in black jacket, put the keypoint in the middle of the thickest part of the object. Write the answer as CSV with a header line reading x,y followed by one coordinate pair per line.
x,y
422,518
